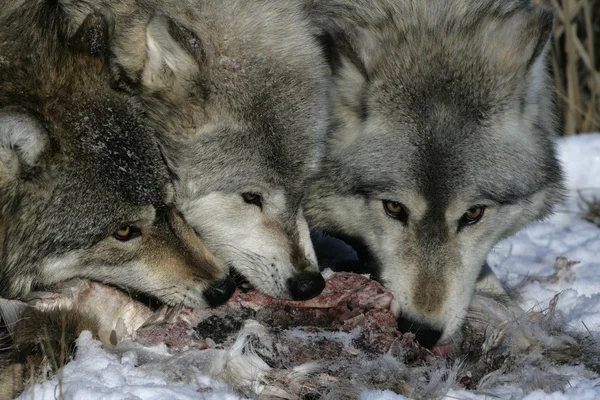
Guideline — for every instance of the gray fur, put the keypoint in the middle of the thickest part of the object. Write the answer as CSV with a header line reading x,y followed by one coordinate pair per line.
x,y
238,92
77,161
440,106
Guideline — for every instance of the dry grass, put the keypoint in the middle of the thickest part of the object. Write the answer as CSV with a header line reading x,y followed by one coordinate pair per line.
x,y
575,58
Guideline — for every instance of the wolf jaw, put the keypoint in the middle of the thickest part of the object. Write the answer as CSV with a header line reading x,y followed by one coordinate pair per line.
x,y
238,91
441,144
84,190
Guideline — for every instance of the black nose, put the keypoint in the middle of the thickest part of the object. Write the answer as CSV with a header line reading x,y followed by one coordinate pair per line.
x,y
425,334
306,285
219,292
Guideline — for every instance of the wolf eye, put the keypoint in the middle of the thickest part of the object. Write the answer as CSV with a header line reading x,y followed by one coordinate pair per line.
x,y
127,232
395,210
253,198
472,216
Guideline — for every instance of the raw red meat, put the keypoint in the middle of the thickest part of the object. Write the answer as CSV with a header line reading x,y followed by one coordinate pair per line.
x,y
349,301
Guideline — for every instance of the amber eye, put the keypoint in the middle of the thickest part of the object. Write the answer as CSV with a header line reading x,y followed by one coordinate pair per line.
x,y
473,215
395,210
127,232
252,198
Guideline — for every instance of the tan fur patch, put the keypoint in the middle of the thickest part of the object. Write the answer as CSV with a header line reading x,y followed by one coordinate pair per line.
x,y
12,380
429,293
211,269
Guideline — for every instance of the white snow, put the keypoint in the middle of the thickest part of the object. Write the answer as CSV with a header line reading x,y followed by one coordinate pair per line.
x,y
95,374
577,389
533,251
521,262
380,395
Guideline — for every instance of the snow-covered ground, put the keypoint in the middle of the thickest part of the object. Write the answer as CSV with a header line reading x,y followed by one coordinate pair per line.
x,y
524,262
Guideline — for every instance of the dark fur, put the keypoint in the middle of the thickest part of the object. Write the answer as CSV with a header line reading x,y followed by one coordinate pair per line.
x,y
55,207
101,168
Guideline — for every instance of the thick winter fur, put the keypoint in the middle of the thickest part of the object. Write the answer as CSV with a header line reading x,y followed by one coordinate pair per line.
x,y
78,164
439,107
238,90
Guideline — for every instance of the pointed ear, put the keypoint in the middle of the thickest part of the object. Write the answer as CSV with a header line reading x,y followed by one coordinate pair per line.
x,y
349,56
516,43
354,45
23,140
175,54
93,35
350,29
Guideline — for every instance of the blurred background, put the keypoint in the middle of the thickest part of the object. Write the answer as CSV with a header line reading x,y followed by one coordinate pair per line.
x,y
575,60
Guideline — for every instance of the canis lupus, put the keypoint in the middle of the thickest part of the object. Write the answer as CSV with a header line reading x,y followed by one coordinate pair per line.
x,y
84,191
441,143
238,91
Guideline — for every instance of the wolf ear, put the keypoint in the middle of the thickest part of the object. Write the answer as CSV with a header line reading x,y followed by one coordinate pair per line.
x,y
353,46
517,42
349,57
174,54
93,36
23,140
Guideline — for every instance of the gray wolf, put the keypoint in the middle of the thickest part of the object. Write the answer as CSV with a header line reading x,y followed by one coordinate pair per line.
x,y
84,191
441,144
238,92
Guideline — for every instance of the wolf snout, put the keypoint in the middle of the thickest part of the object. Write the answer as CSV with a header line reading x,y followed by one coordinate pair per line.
x,y
306,285
219,291
426,335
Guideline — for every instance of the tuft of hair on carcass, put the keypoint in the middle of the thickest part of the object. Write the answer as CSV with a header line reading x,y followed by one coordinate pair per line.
x,y
41,344
589,204
501,344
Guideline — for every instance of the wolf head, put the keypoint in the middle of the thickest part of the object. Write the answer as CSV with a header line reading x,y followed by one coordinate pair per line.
x,y
84,191
441,144
239,90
